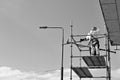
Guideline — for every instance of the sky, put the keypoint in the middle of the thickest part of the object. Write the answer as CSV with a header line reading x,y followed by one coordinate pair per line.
x,y
30,53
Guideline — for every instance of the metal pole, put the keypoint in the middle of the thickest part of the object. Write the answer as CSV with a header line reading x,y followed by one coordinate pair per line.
x,y
71,53
107,65
109,60
62,68
62,56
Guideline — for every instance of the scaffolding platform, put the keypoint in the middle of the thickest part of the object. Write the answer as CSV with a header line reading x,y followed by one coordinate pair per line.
x,y
88,61
82,72
95,61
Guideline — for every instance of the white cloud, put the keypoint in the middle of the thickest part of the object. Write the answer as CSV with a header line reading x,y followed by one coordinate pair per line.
x,y
7,73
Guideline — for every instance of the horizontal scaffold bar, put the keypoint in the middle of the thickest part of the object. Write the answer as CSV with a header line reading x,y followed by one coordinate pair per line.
x,y
88,35
108,50
96,67
80,45
98,77
85,56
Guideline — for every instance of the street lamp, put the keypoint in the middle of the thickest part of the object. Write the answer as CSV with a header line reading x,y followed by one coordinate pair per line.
x,y
46,27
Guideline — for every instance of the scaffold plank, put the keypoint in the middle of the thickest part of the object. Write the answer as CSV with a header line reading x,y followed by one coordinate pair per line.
x,y
82,72
94,61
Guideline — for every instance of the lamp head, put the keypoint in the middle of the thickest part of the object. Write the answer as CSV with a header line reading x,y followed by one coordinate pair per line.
x,y
43,27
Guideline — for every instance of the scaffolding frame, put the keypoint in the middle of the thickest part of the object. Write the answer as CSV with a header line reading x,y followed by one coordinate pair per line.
x,y
81,71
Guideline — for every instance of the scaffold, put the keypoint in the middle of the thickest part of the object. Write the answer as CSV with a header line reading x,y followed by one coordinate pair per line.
x,y
90,62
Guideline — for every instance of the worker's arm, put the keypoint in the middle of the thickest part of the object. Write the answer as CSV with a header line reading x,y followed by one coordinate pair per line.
x,y
84,39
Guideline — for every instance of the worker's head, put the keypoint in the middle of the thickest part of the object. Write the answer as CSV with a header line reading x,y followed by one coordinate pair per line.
x,y
94,29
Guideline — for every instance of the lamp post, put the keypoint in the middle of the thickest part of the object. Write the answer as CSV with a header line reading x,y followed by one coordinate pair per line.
x,y
46,27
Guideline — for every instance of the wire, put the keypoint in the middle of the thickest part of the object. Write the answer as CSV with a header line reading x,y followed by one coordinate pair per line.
x,y
51,70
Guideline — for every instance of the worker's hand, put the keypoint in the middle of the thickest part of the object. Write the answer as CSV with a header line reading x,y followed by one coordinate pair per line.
x,y
84,39
81,40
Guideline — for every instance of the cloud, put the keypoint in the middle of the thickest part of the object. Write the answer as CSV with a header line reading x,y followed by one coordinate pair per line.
x,y
7,73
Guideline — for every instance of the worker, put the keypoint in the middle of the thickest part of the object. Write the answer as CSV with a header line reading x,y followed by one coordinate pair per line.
x,y
93,41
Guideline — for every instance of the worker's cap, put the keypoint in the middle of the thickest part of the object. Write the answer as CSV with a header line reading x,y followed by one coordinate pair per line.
x,y
94,28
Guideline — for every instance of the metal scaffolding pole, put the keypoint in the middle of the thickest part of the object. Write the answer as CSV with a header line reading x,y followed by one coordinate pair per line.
x,y
71,52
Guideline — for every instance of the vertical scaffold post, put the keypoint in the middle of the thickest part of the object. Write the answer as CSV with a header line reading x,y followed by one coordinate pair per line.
x,y
106,46
80,61
108,59
71,52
